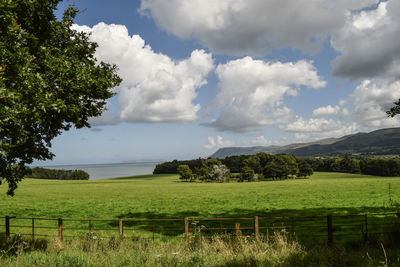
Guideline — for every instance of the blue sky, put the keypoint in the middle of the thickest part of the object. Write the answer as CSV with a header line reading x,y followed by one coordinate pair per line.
x,y
203,74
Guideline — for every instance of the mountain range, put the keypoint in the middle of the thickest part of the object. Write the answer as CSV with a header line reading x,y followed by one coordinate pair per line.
x,y
379,142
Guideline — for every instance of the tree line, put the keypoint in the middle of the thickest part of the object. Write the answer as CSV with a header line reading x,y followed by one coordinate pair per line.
x,y
261,166
378,166
43,173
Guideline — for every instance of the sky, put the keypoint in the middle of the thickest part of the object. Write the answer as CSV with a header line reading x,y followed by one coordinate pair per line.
x,y
199,75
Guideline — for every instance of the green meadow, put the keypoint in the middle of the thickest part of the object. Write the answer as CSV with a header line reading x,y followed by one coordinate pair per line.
x,y
164,196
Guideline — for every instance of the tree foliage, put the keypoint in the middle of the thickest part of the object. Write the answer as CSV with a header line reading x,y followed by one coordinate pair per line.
x,y
49,82
43,173
247,174
219,173
264,166
185,172
305,168
394,110
365,165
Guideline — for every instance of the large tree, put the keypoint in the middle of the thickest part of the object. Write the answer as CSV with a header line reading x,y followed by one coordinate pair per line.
x,y
49,82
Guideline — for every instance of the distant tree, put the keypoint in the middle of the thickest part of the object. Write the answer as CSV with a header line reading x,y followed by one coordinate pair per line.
x,y
247,174
49,82
234,163
219,173
203,172
43,173
253,162
278,168
273,170
349,164
185,172
305,168
381,166
346,164
263,159
291,162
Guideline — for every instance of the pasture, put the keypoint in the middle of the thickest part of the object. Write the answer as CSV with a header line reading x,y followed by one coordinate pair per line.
x,y
164,196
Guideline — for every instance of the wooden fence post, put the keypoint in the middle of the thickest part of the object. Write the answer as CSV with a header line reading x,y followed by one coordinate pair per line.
x,y
256,228
60,229
153,228
330,233
8,227
187,230
366,227
33,229
121,228
237,230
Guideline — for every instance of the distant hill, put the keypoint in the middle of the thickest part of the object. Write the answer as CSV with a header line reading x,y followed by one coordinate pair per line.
x,y
380,142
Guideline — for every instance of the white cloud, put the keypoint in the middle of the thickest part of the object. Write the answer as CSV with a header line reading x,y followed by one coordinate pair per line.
x,y
155,88
319,128
217,142
328,110
251,92
252,27
371,101
261,141
369,43
342,102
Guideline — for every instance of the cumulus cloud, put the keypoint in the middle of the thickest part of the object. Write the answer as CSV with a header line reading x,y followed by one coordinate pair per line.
x,y
328,110
155,88
369,43
372,99
252,27
218,142
367,112
261,141
312,129
251,92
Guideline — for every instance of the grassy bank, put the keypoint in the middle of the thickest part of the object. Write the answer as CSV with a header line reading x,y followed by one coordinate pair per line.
x,y
279,250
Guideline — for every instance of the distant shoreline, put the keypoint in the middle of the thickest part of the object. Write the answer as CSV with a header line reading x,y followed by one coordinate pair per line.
x,y
109,170
97,164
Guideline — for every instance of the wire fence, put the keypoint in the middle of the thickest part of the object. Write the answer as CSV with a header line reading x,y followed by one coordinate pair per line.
x,y
321,229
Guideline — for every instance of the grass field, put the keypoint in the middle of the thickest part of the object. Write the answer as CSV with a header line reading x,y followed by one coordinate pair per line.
x,y
164,196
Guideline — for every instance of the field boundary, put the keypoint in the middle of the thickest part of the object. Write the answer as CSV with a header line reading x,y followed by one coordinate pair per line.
x,y
327,229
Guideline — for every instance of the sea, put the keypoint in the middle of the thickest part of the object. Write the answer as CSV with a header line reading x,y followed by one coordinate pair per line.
x,y
110,170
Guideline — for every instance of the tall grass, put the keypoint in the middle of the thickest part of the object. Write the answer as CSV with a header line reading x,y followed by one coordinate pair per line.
x,y
278,250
